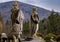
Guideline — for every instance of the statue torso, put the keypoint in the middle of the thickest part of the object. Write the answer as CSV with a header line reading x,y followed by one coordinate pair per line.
x,y
14,15
35,18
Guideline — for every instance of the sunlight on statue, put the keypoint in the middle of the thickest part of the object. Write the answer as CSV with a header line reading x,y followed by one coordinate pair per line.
x,y
34,22
17,18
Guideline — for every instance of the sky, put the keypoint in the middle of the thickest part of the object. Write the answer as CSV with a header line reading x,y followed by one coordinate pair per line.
x,y
47,4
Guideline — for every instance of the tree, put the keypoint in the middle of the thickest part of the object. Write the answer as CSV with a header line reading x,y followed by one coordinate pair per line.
x,y
54,22
26,29
41,27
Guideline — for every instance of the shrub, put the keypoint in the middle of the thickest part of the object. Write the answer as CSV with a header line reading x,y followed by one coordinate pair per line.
x,y
50,36
40,35
58,38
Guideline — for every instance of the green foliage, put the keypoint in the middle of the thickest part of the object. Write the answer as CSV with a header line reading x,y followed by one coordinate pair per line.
x,y
54,22
53,19
26,28
47,39
40,35
50,36
51,24
41,27
58,38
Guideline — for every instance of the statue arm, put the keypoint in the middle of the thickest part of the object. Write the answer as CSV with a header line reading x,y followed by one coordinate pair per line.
x,y
11,13
35,19
20,16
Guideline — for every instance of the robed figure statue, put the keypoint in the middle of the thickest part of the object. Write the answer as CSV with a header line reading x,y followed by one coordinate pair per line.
x,y
34,23
17,18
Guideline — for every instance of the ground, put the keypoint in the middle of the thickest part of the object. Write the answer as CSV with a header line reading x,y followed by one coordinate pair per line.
x,y
39,39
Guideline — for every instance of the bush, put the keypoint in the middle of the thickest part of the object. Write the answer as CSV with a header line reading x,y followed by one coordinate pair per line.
x,y
40,35
58,38
50,36
47,39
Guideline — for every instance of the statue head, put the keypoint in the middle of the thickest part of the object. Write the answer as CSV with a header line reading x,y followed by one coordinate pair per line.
x,y
16,5
34,10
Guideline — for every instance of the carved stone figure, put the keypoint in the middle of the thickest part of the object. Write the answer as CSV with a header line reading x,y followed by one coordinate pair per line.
x,y
3,37
34,22
17,18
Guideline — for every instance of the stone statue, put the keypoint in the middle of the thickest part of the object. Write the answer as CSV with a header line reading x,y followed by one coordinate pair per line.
x,y
34,23
3,37
17,18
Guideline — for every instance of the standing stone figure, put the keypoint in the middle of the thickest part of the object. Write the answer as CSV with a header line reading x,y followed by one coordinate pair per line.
x,y
34,23
17,18
3,37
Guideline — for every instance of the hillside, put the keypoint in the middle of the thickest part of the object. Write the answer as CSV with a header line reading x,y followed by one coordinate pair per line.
x,y
5,9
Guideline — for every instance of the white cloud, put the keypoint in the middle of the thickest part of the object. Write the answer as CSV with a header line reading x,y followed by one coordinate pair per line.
x,y
4,1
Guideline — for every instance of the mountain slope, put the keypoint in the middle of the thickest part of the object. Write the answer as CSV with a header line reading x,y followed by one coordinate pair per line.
x,y
5,9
